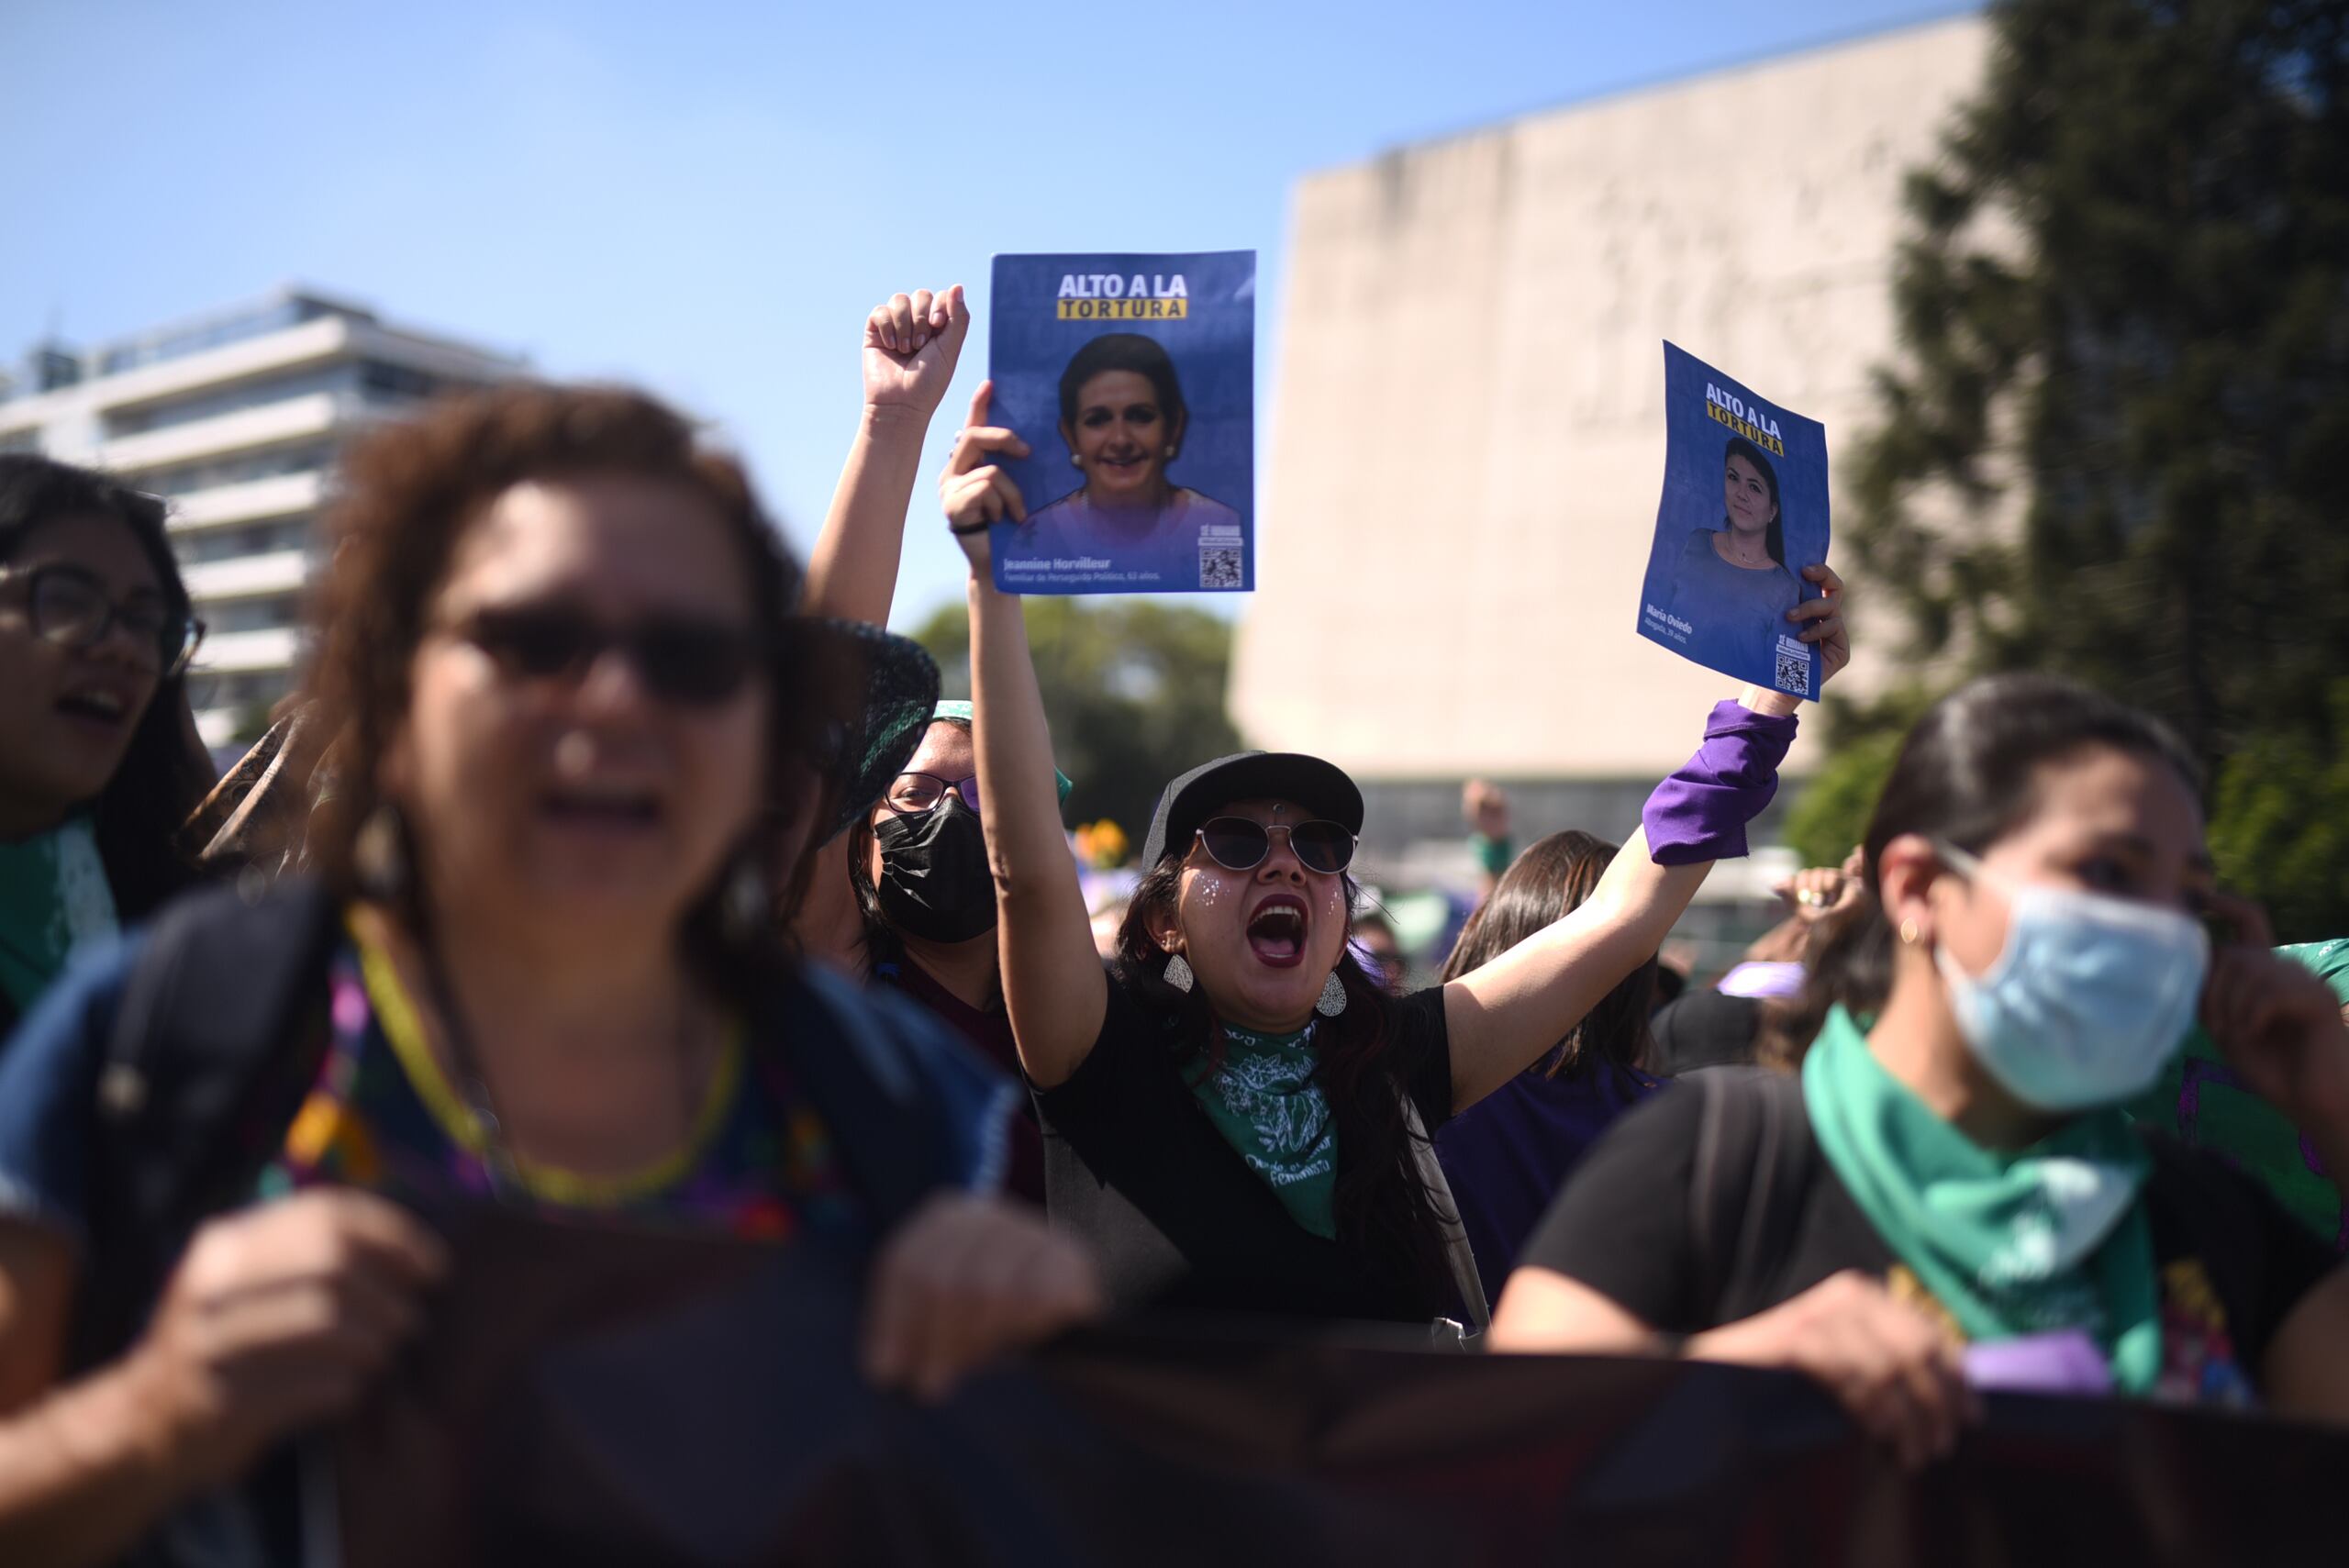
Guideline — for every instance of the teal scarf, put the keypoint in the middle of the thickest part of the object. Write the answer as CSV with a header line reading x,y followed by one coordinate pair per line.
x,y
1270,1109
53,898
2049,1238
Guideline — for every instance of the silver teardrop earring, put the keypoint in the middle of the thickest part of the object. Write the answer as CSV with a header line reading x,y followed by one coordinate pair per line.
x,y
1075,460
1178,974
1333,997
747,904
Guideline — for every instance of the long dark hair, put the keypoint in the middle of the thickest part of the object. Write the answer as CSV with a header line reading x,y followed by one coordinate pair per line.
x,y
1128,351
162,777
1551,879
1775,540
410,489
1382,1207
1967,774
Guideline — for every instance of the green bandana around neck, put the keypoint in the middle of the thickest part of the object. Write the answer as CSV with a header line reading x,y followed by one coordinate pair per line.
x,y
2048,1238
53,898
1269,1107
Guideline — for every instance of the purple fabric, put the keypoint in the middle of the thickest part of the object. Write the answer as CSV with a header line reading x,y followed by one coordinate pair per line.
x,y
2066,1362
1700,811
1506,1155
1762,980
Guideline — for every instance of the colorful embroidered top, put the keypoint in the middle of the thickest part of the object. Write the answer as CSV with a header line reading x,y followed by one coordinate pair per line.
x,y
758,1165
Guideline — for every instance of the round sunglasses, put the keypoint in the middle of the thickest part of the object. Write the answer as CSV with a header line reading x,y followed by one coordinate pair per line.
x,y
685,661
1236,843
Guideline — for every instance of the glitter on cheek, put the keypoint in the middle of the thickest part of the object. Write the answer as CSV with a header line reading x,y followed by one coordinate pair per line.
x,y
1209,891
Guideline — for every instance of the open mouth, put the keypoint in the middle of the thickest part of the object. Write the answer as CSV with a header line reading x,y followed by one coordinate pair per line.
x,y
1277,931
97,706
624,811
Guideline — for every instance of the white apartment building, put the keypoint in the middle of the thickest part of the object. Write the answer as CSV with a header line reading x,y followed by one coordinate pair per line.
x,y
234,419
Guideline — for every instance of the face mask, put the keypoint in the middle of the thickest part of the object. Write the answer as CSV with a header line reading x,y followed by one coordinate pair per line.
x,y
2087,1001
934,879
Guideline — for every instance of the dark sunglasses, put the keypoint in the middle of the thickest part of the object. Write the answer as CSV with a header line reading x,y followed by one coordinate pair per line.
x,y
68,607
911,795
688,660
1235,843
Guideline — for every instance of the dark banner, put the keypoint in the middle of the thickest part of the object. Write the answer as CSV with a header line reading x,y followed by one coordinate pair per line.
x,y
585,1398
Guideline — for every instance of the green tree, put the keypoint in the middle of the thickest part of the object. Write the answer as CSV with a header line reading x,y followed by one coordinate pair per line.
x,y
2126,298
1832,812
1133,691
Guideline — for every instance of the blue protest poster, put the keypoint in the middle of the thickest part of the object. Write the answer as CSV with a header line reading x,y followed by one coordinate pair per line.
x,y
1745,510
1132,381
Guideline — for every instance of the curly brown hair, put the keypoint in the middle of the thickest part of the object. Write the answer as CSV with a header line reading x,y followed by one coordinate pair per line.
x,y
411,488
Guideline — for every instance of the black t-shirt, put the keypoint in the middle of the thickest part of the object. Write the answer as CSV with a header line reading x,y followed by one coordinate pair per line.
x,y
1135,1170
1702,1029
2232,1263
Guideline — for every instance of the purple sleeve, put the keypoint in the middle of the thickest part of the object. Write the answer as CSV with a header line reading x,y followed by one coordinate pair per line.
x,y
1700,811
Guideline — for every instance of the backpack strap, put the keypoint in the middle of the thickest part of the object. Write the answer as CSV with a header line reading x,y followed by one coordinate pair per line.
x,y
1747,1186
1459,1257
208,1062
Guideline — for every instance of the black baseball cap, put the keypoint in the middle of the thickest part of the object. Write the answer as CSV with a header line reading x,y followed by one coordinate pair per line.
x,y
1184,805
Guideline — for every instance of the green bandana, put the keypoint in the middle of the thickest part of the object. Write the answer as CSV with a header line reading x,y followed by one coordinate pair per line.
x,y
2054,1237
1269,1108
53,898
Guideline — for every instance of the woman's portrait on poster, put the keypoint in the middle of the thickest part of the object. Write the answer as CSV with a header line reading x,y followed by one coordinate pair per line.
x,y
1123,418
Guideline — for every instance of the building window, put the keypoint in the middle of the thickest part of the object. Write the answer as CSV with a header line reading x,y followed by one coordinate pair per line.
x,y
210,474
267,613
254,538
218,401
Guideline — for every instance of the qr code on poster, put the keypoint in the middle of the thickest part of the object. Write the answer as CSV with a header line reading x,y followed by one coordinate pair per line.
x,y
1218,566
1793,666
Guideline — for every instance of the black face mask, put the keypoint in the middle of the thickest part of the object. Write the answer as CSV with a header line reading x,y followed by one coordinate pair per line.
x,y
934,879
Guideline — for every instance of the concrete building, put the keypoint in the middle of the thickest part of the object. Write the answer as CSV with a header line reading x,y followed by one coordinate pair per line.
x,y
1466,442
234,419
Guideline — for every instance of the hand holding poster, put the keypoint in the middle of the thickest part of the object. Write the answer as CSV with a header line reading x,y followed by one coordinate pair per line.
x,y
1745,511
1132,379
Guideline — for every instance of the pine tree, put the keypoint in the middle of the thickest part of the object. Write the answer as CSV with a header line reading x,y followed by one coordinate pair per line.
x,y
2125,302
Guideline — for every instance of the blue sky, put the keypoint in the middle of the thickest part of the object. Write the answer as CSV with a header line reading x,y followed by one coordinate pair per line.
x,y
706,199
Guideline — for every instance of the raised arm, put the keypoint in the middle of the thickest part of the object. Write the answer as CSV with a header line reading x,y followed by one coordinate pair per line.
x,y
911,344
1501,1017
1053,986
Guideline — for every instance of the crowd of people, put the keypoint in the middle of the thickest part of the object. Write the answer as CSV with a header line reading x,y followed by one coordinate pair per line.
x,y
612,865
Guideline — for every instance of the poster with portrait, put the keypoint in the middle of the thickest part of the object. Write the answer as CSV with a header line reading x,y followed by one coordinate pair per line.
x,y
1132,380
1745,510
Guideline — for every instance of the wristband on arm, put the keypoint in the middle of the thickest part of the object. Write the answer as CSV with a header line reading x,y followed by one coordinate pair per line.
x,y
1700,811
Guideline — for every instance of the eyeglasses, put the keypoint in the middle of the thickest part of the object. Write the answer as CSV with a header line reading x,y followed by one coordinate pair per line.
x,y
1235,843
688,660
910,795
68,605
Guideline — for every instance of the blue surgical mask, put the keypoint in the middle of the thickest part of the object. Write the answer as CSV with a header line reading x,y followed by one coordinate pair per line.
x,y
2089,1000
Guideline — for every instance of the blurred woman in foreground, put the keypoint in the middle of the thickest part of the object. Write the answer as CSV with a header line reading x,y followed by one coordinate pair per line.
x,y
573,724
